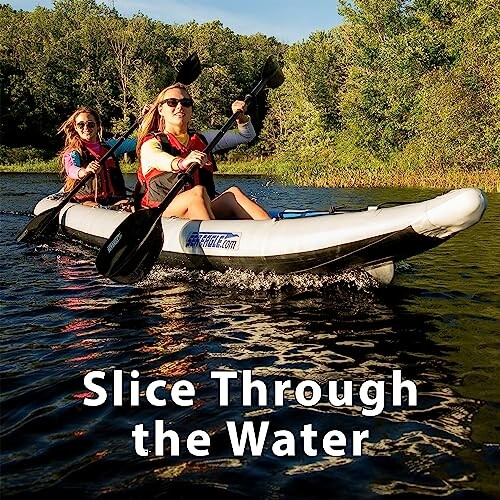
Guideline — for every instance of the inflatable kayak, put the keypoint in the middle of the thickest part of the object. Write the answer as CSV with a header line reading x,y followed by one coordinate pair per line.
x,y
372,239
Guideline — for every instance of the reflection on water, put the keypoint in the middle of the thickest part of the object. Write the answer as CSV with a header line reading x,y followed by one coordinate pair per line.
x,y
437,324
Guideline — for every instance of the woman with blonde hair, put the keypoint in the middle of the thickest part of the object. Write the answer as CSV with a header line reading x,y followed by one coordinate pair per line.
x,y
83,147
166,147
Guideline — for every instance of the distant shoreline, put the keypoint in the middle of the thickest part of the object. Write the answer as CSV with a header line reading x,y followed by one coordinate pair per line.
x,y
487,179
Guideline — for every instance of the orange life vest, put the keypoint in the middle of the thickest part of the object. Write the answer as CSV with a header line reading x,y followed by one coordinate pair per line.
x,y
110,182
155,185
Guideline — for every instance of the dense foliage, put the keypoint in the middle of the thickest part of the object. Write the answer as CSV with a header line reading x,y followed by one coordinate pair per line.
x,y
399,84
84,53
403,84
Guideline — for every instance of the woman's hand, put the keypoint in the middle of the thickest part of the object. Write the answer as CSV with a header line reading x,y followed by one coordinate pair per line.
x,y
241,107
198,157
93,166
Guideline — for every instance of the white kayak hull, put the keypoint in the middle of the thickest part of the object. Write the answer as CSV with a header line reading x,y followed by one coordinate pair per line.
x,y
372,239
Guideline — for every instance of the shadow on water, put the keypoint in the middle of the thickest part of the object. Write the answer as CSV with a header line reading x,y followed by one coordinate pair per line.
x,y
61,321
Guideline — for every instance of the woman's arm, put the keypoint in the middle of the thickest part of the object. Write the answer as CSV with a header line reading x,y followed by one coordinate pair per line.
x,y
242,135
72,164
127,146
152,156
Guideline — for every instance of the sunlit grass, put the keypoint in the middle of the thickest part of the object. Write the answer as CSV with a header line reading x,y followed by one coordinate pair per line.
x,y
486,179
306,175
53,166
38,166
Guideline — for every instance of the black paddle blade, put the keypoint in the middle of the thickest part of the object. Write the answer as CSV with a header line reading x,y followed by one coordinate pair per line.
x,y
42,225
190,70
133,248
272,73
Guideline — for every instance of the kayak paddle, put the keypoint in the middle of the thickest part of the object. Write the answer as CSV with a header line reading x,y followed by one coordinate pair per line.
x,y
47,223
133,248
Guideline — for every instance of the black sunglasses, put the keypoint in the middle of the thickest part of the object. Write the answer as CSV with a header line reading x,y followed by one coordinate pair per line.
x,y
172,102
81,125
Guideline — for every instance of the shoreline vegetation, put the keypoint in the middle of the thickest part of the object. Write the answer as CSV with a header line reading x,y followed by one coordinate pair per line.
x,y
487,179
399,94
384,176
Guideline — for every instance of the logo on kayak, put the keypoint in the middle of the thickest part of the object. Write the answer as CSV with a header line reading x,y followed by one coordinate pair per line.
x,y
227,241
115,242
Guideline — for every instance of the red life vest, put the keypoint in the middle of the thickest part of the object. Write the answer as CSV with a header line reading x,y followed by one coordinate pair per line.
x,y
110,182
155,185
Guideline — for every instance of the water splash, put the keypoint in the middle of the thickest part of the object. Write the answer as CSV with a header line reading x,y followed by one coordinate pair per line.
x,y
266,281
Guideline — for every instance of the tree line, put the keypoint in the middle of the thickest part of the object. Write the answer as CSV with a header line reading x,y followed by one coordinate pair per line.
x,y
413,83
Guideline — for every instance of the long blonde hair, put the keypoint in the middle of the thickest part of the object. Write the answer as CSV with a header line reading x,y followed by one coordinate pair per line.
x,y
152,120
72,141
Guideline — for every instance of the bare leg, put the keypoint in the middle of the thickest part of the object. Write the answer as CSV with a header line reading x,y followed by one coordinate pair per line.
x,y
192,204
234,204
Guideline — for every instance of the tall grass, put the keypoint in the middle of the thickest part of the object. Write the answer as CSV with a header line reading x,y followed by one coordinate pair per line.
x,y
35,166
301,174
375,176
53,166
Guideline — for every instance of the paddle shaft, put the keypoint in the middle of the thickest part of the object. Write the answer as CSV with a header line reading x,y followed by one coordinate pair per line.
x,y
189,69
47,222
132,249
186,176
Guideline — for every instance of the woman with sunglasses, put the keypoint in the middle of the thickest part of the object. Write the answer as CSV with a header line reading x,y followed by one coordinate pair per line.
x,y
166,147
82,149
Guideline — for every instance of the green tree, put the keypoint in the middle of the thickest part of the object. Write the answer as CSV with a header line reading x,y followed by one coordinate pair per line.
x,y
304,112
13,98
138,48
383,74
458,107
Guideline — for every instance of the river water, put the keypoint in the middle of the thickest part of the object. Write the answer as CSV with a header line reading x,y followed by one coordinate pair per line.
x,y
437,325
